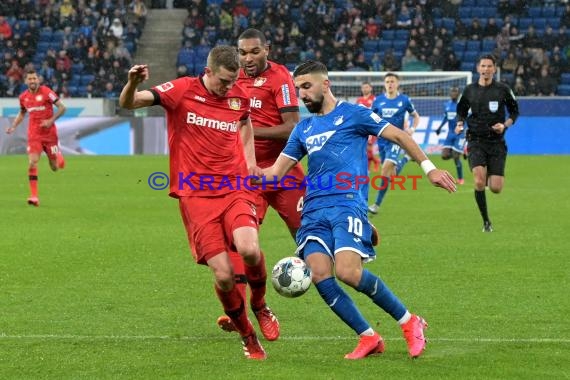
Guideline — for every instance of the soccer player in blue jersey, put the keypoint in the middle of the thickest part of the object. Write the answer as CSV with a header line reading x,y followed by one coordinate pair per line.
x,y
393,107
335,236
454,143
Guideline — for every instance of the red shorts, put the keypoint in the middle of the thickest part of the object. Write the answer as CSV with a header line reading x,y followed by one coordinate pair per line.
x,y
210,222
287,202
49,144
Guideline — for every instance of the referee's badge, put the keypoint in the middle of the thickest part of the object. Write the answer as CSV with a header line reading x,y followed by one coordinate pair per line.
x,y
493,106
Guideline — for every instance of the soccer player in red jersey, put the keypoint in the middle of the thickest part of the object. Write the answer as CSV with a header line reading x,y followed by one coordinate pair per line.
x,y
372,151
274,113
38,101
211,154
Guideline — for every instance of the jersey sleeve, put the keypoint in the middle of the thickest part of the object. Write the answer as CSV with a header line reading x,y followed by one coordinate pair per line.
x,y
171,92
51,95
512,104
410,106
463,105
369,123
284,93
295,148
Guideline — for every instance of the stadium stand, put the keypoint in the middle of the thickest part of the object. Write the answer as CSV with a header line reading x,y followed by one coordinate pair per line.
x,y
102,50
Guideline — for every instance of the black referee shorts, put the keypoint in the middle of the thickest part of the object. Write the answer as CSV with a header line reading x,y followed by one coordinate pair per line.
x,y
492,155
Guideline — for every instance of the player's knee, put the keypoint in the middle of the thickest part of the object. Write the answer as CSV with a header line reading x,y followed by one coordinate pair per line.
x,y
479,183
349,276
249,252
496,188
445,155
224,279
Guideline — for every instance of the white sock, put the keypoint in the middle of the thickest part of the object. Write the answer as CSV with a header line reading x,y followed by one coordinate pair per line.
x,y
405,318
368,332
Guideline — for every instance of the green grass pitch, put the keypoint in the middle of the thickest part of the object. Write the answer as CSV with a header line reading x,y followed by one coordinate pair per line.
x,y
98,282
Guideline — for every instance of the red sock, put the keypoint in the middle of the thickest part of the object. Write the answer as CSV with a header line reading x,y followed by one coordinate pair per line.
x,y
33,178
234,307
256,277
239,273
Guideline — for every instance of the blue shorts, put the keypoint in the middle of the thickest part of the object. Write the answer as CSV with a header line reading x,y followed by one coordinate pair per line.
x,y
455,142
389,151
336,229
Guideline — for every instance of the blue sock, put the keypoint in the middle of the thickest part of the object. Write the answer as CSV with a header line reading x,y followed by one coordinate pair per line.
x,y
342,305
401,163
459,167
382,192
373,287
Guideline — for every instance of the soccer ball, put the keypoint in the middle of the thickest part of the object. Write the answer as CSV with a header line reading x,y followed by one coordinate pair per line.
x,y
291,277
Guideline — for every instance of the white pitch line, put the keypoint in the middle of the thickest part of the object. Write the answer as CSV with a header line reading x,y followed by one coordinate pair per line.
x,y
318,338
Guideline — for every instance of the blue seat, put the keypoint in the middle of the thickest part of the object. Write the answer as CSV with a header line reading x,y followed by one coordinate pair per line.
x,y
72,90
489,12
467,66
468,3
464,12
384,45
486,3
478,12
45,35
553,22
402,35
86,79
77,68
184,57
389,34
565,78
535,12
563,90
539,23
473,46
448,23
524,23
370,45
549,12
471,56
43,46
488,46
458,47
399,45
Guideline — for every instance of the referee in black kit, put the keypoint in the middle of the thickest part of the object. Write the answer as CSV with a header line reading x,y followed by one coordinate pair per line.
x,y
487,123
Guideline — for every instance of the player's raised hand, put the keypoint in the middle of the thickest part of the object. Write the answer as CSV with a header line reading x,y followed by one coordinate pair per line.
x,y
138,74
442,178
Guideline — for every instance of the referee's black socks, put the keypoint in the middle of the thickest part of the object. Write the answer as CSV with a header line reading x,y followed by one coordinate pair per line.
x,y
482,203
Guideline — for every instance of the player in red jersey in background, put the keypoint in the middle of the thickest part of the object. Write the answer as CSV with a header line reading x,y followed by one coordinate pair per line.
x,y
38,101
211,152
372,150
274,114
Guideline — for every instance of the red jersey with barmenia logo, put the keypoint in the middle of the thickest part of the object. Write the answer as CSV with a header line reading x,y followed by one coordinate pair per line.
x,y
271,93
206,151
39,106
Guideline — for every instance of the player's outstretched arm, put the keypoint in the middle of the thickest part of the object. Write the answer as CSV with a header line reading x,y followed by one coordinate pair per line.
x,y
16,122
438,177
130,98
280,167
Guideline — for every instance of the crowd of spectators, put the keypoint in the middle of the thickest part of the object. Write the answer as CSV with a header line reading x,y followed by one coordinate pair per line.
x,y
80,48
337,33
90,43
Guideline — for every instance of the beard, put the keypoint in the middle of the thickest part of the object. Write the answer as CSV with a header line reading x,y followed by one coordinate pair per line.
x,y
314,106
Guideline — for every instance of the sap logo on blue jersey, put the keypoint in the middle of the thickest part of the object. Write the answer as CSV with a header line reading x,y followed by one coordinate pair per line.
x,y
316,142
338,120
389,112
451,115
